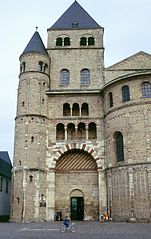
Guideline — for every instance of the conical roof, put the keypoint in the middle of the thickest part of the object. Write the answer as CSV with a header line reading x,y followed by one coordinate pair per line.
x,y
35,45
75,17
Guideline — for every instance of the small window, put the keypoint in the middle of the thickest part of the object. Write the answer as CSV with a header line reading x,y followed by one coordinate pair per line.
x,y
85,77
64,77
91,41
75,24
32,139
84,109
23,103
92,131
66,41
59,41
75,109
71,133
1,183
110,96
45,67
146,90
60,132
30,178
7,184
83,41
41,66
22,67
66,109
125,93
119,146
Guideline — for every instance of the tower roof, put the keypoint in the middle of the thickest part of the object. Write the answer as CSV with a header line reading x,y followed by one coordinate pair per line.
x,y
75,17
35,45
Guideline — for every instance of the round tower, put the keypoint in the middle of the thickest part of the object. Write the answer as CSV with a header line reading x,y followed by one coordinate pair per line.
x,y
30,133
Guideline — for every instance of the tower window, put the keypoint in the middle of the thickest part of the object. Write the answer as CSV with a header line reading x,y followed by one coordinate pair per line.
x,y
119,146
146,90
125,93
92,131
110,97
59,41
85,109
64,77
85,77
32,139
71,133
66,109
41,65
66,41
75,109
60,132
83,41
31,178
91,41
75,24
22,67
1,183
81,132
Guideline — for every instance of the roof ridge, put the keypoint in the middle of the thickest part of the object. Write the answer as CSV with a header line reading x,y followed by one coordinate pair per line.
x,y
75,14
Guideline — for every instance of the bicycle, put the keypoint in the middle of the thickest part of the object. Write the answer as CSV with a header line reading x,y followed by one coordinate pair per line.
x,y
71,228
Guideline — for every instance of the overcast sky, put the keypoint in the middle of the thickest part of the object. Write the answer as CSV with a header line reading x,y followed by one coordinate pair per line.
x,y
127,30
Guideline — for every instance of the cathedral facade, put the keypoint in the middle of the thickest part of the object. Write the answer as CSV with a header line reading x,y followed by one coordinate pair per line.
x,y
83,132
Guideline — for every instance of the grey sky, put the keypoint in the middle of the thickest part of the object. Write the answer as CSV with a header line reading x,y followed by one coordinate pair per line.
x,y
126,31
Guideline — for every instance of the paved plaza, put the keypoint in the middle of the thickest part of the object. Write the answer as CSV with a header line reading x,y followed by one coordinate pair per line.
x,y
86,230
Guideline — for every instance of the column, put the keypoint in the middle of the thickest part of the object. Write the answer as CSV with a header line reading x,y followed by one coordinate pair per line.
x,y
131,195
102,192
50,195
87,131
66,136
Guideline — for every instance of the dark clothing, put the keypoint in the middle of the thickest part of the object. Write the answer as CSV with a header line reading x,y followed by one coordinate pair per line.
x,y
66,222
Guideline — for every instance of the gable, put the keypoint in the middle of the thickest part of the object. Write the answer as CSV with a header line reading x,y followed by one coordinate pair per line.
x,y
140,60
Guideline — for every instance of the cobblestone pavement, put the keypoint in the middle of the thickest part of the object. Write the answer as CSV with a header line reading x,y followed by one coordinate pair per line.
x,y
86,230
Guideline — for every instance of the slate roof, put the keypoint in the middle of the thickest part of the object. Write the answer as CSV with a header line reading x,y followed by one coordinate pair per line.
x,y
75,14
5,164
35,45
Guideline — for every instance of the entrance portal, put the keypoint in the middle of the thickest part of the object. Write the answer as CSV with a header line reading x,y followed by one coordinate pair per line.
x,y
77,208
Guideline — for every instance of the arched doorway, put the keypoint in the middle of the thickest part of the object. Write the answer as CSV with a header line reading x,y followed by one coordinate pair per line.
x,y
77,205
76,185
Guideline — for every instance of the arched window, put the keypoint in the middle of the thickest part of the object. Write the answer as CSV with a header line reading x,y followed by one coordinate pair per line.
x,y
66,41
41,66
146,90
85,77
64,77
22,67
60,132
84,109
119,146
83,41
110,97
81,132
71,133
66,110
32,139
125,93
45,67
31,178
59,41
92,134
91,41
75,109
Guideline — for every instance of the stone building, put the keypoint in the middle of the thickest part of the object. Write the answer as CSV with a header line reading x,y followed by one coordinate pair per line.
x,y
83,131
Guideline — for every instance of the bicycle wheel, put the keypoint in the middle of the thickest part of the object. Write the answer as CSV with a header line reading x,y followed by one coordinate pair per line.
x,y
73,228
63,229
